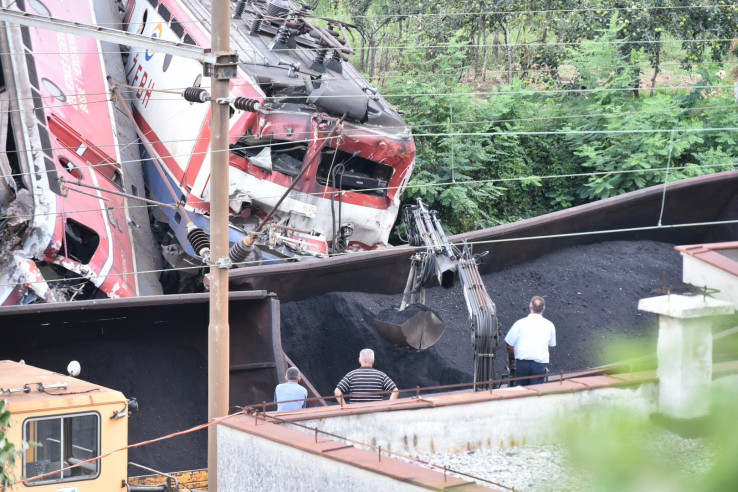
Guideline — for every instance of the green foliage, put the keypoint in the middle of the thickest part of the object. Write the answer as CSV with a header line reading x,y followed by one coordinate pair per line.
x,y
7,450
617,450
503,149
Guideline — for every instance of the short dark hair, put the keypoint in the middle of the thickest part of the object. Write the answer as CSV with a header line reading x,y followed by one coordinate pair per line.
x,y
293,374
537,304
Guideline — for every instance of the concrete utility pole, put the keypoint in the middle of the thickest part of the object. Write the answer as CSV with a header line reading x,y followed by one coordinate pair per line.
x,y
218,329
221,63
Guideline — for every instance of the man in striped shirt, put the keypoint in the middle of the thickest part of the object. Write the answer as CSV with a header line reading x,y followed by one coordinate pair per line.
x,y
365,383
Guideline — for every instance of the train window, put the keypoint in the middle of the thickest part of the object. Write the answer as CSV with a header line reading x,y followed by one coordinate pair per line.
x,y
70,168
53,89
353,172
143,22
189,40
117,178
153,3
178,28
99,161
164,12
80,242
284,156
63,441
39,7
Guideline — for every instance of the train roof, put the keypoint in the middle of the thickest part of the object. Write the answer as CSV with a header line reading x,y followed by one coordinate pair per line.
x,y
298,63
26,389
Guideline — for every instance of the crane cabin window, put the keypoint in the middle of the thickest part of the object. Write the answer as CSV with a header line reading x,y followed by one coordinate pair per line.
x,y
59,442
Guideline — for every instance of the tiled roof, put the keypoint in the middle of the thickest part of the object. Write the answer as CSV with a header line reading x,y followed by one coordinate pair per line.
x,y
720,255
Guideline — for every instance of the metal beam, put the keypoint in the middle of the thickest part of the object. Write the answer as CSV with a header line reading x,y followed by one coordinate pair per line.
x,y
110,35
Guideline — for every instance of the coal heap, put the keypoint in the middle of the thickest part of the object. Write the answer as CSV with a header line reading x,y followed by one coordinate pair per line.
x,y
591,292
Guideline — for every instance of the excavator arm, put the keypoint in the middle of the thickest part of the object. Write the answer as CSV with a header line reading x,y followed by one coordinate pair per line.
x,y
437,260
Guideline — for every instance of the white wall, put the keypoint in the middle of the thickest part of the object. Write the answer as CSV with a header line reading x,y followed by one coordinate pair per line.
x,y
247,462
491,424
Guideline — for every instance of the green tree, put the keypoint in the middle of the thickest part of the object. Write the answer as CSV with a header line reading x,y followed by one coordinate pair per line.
x,y
706,29
487,157
7,450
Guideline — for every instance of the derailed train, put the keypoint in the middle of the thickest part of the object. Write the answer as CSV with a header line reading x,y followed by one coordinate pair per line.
x,y
312,146
67,231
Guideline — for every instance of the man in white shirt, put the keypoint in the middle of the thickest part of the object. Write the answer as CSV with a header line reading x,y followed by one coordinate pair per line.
x,y
529,340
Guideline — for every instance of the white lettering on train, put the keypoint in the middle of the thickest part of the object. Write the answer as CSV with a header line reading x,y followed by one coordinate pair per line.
x,y
138,77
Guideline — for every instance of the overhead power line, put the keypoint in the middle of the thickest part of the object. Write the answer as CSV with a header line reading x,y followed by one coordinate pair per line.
x,y
448,13
471,182
452,134
466,134
462,45
602,232
532,92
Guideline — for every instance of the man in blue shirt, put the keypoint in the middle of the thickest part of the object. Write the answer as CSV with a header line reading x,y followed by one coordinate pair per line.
x,y
290,390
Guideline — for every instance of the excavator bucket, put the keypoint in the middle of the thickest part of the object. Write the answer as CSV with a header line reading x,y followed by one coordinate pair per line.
x,y
415,327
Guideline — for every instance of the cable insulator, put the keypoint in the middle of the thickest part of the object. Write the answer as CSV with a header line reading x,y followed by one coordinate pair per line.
x,y
340,244
240,6
239,252
246,104
199,241
255,25
320,56
278,8
283,36
196,94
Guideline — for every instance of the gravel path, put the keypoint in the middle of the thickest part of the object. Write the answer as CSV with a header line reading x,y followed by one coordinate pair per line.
x,y
548,468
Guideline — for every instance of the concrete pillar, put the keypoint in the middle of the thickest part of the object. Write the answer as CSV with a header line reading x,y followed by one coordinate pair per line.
x,y
684,351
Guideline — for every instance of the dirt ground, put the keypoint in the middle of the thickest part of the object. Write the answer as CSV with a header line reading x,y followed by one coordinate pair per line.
x,y
591,293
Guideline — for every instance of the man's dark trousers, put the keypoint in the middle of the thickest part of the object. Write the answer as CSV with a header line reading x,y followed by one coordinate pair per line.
x,y
525,368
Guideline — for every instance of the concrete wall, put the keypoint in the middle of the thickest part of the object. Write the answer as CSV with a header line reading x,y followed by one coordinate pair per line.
x,y
262,454
700,274
490,424
248,462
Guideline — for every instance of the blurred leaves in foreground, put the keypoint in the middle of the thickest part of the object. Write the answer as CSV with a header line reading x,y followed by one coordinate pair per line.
x,y
618,450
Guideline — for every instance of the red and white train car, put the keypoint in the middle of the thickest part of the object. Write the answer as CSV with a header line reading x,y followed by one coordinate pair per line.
x,y
346,191
65,229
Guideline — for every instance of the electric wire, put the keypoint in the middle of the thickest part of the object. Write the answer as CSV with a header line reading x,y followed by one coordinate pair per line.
x,y
409,248
531,91
462,122
277,144
528,12
423,47
492,181
369,132
447,13
214,421
454,134
470,182
388,74
178,91
418,135
544,11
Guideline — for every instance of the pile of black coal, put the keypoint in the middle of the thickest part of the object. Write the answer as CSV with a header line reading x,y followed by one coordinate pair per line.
x,y
591,292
